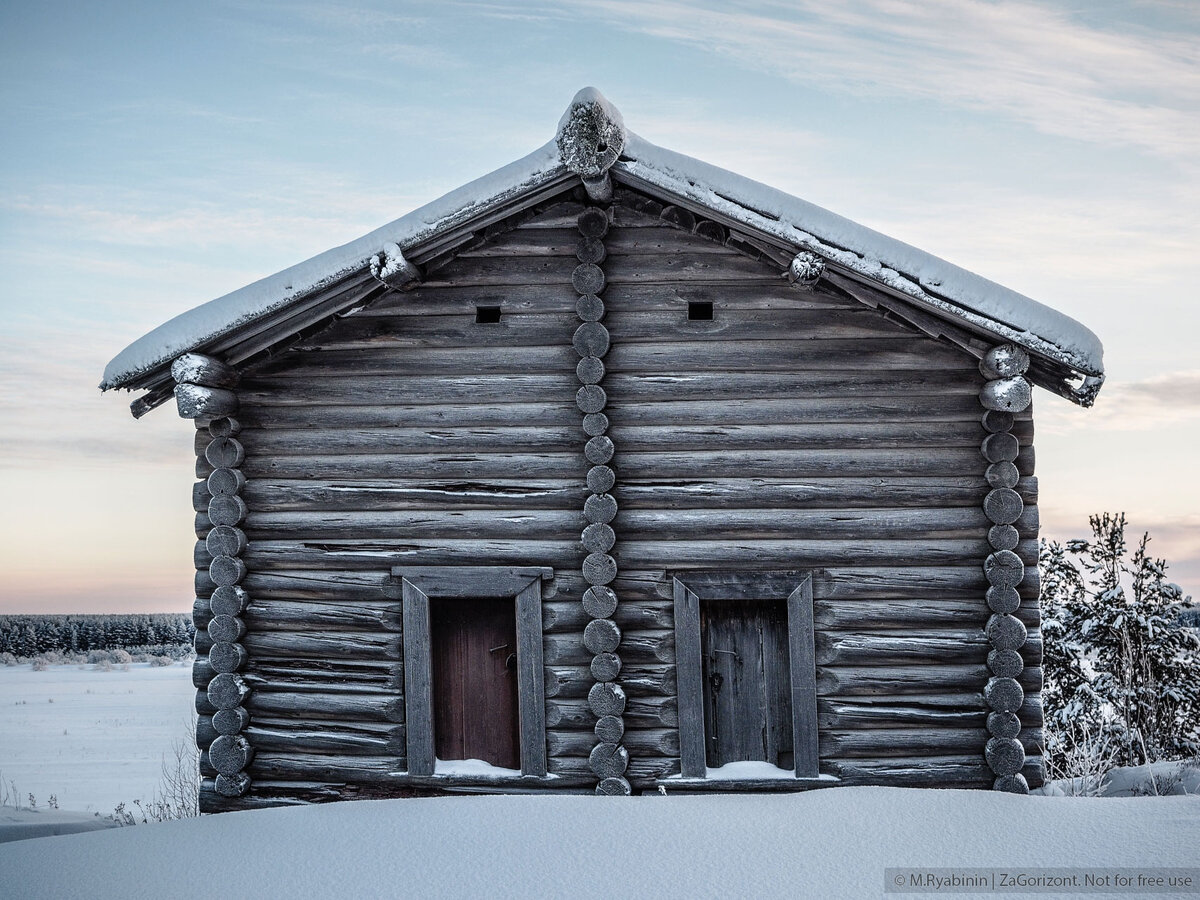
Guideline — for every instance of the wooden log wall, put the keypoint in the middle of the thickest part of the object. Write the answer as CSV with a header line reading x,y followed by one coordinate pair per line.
x,y
795,429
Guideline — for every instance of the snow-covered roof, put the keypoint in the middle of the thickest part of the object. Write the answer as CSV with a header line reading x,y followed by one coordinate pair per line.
x,y
930,282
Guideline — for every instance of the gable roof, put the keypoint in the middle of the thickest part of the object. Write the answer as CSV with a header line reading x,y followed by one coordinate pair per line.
x,y
591,143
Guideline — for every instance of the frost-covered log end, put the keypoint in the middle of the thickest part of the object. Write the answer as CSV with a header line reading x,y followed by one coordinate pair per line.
x,y
1006,394
806,270
197,402
591,136
391,268
196,368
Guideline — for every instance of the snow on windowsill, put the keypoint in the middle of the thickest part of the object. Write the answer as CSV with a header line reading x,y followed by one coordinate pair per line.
x,y
478,768
749,770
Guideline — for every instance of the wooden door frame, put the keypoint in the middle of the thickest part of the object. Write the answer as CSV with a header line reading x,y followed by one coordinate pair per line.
x,y
523,585
688,589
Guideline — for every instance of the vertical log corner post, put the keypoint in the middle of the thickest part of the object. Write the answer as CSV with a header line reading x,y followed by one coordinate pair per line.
x,y
1004,393
203,391
608,759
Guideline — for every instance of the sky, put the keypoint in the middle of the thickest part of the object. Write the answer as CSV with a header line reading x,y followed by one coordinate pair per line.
x,y
156,155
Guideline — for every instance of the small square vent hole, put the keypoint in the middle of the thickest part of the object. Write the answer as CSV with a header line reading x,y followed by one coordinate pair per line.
x,y
699,311
488,315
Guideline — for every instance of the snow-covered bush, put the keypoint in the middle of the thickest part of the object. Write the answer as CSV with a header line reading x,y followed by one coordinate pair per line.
x,y
1121,664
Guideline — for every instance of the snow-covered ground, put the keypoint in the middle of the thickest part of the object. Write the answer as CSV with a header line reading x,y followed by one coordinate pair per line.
x,y
91,738
822,844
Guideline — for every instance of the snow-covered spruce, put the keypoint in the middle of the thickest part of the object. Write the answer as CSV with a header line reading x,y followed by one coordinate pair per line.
x,y
1005,393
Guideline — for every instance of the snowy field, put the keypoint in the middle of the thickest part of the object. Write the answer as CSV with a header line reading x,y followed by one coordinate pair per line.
x,y
92,738
821,844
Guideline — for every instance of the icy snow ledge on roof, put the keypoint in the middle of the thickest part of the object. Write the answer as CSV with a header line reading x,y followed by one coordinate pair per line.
x,y
933,281
196,327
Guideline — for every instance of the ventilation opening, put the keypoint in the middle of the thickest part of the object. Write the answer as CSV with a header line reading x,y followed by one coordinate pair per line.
x,y
699,311
490,315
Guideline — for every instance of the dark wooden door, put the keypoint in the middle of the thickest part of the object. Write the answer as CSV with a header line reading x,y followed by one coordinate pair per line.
x,y
747,682
473,650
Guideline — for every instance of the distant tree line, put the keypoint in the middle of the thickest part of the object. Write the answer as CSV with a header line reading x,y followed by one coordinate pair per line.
x,y
30,636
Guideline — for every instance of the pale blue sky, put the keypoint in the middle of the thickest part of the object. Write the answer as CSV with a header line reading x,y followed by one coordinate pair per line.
x,y
156,155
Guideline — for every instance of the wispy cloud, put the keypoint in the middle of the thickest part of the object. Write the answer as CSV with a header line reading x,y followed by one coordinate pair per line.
x,y
1030,61
1169,399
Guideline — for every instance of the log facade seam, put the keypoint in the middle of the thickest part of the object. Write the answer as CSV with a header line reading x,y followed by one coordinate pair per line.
x,y
229,752
601,636
1005,393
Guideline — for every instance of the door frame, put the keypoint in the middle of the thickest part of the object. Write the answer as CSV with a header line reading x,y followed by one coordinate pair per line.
x,y
419,584
688,589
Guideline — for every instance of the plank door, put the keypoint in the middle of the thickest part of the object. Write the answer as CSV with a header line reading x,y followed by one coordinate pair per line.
x,y
747,682
473,651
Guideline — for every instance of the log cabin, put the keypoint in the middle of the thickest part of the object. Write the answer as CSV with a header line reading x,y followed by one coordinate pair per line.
x,y
614,471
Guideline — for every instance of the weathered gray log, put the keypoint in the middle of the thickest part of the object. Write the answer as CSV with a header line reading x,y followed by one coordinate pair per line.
x,y
226,629
1003,506
235,785
197,402
1003,724
1004,695
225,540
1006,632
590,370
609,729
996,421
227,690
225,453
351,739
605,666
602,636
652,713
1006,395
599,602
590,308
393,270
614,787
1004,537
1004,568
864,648
591,398
902,742
226,481
606,699
919,771
228,600
1004,361
591,136
897,681
591,339
600,509
609,760
1011,784
1002,475
1002,599
805,270
595,424
600,479
225,426
285,613
588,278
598,538
381,706
1005,663
593,223
198,369
226,509
230,721
226,570
962,710
230,754
599,568
590,249
678,216
318,644
638,742
599,450
1005,756
1000,447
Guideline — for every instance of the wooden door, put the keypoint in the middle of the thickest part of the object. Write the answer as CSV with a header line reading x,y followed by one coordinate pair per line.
x,y
747,682
473,655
